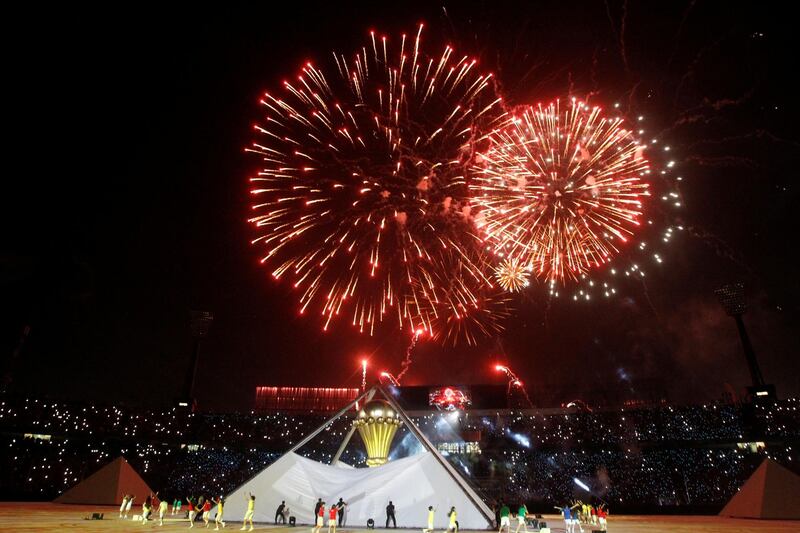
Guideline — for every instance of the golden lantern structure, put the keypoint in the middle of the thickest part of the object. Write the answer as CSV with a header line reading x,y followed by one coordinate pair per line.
x,y
377,423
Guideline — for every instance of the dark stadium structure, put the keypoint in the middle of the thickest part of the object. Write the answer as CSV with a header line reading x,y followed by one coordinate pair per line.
x,y
480,397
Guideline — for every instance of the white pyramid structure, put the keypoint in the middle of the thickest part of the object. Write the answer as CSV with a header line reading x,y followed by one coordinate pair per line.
x,y
411,484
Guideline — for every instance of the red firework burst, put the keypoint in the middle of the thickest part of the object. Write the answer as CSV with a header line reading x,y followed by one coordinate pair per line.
x,y
560,189
361,188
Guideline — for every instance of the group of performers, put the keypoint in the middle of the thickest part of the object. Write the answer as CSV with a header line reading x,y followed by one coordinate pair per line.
x,y
580,513
505,515
337,510
576,514
452,520
195,507
147,507
335,514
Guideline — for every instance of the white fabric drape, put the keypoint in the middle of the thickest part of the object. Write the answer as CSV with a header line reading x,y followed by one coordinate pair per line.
x,y
412,483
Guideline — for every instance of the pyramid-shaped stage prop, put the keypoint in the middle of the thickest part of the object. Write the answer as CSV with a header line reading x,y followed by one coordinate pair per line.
x,y
772,492
107,486
412,484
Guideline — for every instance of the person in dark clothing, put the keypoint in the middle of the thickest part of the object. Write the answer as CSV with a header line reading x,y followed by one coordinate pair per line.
x,y
341,504
316,508
147,506
390,515
200,501
279,513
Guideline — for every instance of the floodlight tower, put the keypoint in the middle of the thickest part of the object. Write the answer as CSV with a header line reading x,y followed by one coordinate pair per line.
x,y
200,324
733,300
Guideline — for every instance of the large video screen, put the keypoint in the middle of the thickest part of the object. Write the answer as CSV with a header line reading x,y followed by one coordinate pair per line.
x,y
449,398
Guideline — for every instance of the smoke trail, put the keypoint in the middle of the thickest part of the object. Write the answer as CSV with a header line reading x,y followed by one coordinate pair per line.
x,y
409,352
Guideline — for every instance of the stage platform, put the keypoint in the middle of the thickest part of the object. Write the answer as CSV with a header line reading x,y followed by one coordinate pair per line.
x,y
49,517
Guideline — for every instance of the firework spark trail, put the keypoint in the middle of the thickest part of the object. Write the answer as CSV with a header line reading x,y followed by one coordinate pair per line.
x,y
467,306
363,375
525,394
546,315
362,187
390,378
699,112
632,96
593,75
406,365
560,190
679,32
722,161
611,19
528,73
721,248
619,35
623,23
514,381
650,304
760,134
694,65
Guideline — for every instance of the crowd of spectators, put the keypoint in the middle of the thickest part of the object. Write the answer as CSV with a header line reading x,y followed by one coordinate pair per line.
x,y
644,458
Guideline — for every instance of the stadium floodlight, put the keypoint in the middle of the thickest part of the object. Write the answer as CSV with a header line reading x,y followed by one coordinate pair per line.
x,y
588,489
732,298
581,484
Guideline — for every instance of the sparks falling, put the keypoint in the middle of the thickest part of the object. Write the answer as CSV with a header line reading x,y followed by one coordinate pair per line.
x,y
467,306
361,189
363,375
560,189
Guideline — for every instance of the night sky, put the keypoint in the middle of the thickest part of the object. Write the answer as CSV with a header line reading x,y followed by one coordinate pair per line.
x,y
125,197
